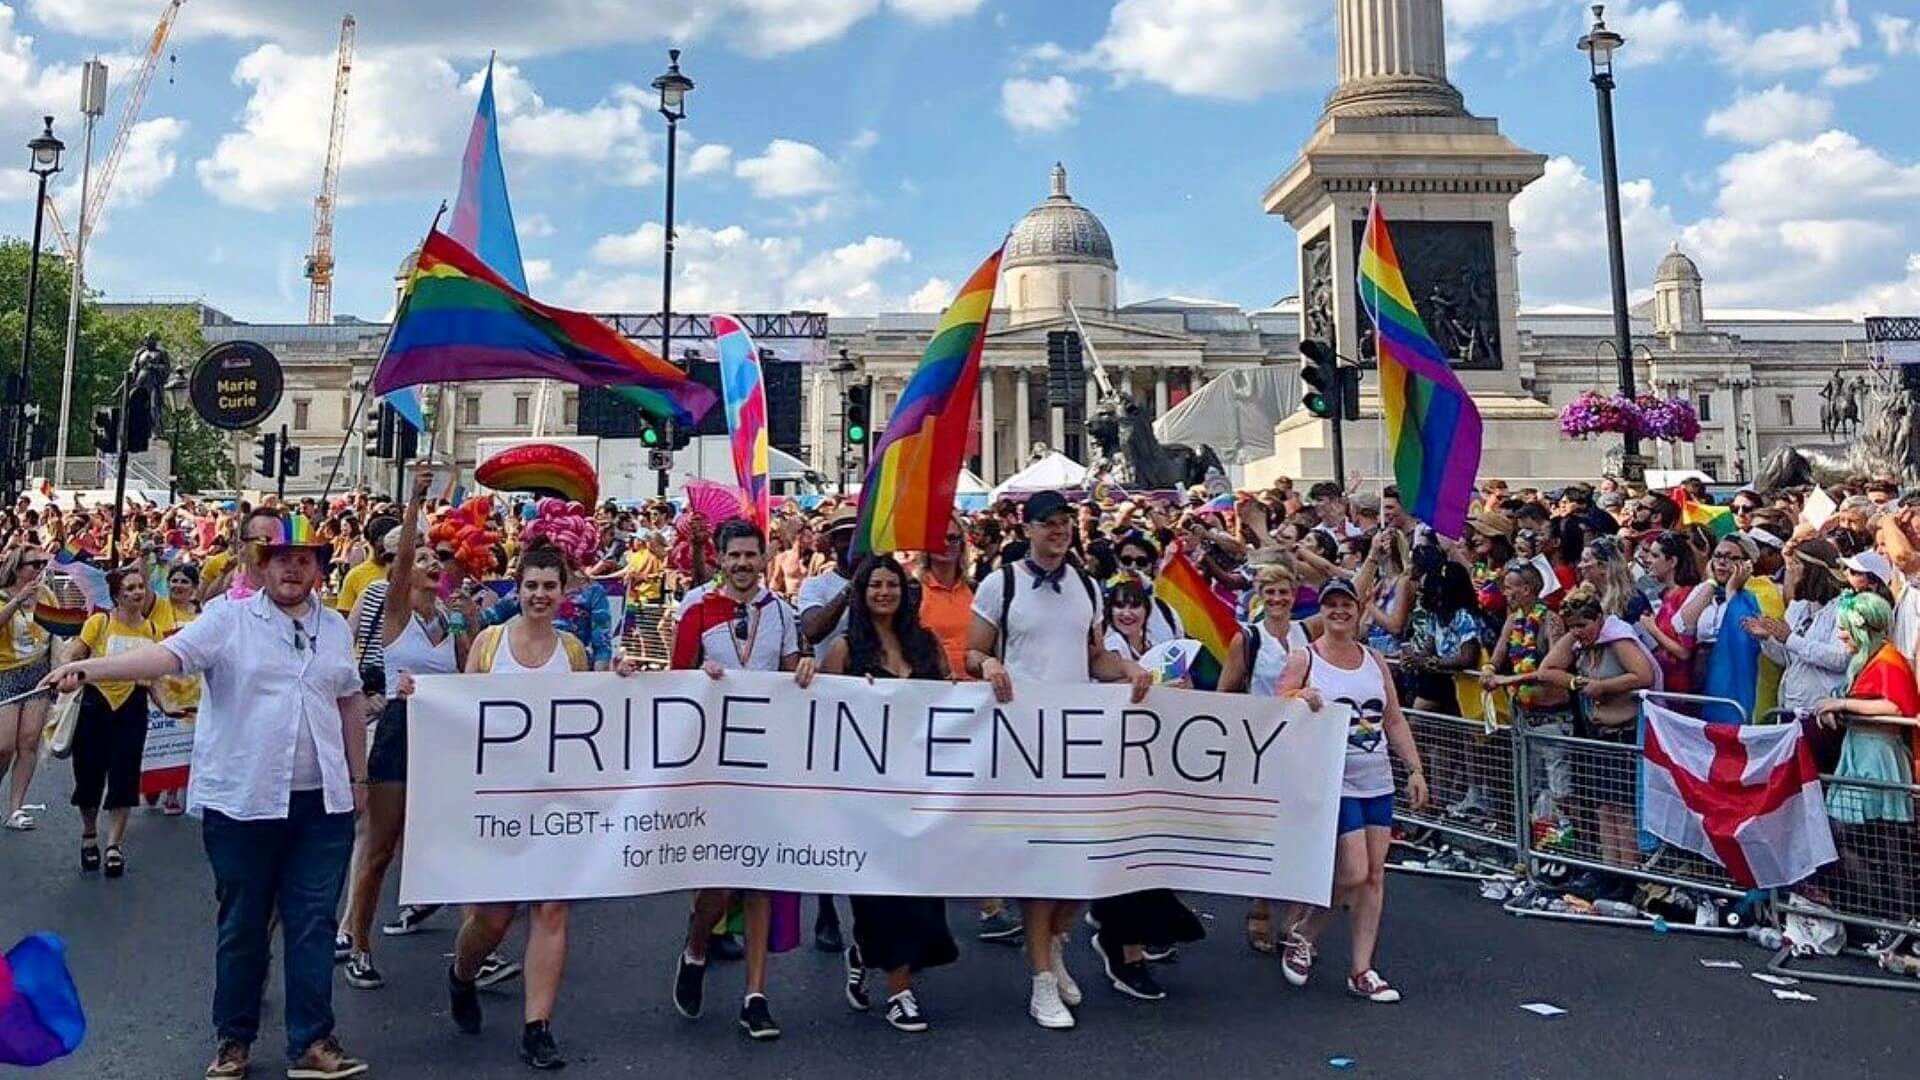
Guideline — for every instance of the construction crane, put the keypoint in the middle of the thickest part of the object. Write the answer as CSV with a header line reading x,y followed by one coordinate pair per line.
x,y
320,260
129,118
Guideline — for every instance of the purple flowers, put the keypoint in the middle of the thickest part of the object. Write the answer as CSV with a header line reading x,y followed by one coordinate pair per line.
x,y
1649,417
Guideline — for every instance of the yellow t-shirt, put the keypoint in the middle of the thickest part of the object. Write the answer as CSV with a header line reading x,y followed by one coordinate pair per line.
x,y
215,565
355,583
22,640
178,693
643,570
105,635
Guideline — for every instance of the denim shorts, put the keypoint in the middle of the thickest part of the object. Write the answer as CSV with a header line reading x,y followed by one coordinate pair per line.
x,y
1360,813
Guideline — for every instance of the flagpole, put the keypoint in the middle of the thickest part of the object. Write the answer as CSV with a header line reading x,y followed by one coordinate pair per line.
x,y
1373,316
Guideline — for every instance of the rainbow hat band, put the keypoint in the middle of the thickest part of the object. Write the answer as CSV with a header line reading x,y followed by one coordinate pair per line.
x,y
295,531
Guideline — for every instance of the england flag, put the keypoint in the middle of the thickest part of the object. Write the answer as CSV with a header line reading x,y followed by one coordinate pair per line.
x,y
1745,797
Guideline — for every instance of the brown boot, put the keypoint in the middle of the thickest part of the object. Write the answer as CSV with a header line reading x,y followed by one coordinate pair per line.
x,y
325,1060
230,1061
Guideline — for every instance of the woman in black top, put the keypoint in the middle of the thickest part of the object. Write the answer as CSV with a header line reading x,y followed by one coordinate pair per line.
x,y
895,934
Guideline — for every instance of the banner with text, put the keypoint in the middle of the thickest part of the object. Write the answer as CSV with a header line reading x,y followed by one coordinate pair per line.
x,y
571,786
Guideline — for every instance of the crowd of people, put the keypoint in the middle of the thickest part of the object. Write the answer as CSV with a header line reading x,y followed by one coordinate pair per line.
x,y
287,632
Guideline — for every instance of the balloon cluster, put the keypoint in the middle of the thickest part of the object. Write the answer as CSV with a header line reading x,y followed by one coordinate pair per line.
x,y
567,526
467,529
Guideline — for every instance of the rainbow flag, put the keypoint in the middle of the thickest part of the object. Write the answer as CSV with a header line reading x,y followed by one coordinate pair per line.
x,y
1207,618
40,1015
1433,428
1718,519
461,321
90,579
745,394
907,499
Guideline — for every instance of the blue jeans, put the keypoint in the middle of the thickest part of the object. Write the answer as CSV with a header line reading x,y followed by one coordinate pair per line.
x,y
299,864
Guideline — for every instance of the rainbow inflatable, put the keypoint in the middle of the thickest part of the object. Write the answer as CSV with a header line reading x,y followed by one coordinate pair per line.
x,y
544,469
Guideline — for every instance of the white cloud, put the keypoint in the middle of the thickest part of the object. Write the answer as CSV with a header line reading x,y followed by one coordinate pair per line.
x,y
1668,30
935,295
1899,35
710,158
1235,49
863,140
789,169
534,226
1561,233
729,268
539,271
1039,105
1774,113
1845,75
934,10
614,134
1832,175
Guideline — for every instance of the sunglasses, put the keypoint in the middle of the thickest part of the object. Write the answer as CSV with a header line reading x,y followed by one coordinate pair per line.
x,y
1138,560
445,556
741,628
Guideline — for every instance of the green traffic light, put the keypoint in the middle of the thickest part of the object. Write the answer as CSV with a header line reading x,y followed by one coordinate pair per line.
x,y
856,433
650,436
1319,405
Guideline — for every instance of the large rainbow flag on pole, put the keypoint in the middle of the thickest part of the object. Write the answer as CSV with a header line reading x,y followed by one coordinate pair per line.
x,y
1207,618
460,321
1433,428
745,394
907,499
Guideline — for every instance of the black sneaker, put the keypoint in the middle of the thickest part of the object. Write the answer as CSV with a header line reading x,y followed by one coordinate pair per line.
x,y
857,997
903,1012
537,1047
689,986
1159,954
342,947
463,1003
1001,926
361,974
1133,980
495,969
725,947
410,919
757,1020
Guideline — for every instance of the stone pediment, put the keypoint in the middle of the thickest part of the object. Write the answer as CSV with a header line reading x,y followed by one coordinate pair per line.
x,y
1103,332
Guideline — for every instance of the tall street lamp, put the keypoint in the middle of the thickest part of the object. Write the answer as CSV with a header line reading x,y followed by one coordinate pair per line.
x,y
673,88
843,366
43,161
1600,44
176,391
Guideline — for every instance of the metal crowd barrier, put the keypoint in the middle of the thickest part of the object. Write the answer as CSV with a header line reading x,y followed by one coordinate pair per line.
x,y
648,635
1472,806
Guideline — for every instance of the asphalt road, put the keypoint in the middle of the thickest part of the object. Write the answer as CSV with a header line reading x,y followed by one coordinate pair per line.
x,y
1638,1004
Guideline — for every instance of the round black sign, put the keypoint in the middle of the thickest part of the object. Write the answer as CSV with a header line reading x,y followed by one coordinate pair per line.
x,y
236,385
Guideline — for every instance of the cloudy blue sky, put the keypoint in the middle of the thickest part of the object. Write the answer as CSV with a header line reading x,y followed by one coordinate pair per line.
x,y
863,155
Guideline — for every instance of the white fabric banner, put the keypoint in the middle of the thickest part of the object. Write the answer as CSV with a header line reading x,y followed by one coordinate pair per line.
x,y
571,786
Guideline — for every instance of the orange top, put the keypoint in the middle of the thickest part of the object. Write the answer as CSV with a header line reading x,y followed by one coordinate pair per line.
x,y
948,612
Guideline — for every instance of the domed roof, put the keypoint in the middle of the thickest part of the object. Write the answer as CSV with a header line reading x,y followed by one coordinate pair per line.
x,y
1059,230
1677,267
407,264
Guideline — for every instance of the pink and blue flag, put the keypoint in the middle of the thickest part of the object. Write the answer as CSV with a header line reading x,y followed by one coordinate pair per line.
x,y
482,213
745,394
40,1015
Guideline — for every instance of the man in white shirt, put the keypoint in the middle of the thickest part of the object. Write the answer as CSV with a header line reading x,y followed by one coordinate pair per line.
x,y
279,771
1047,629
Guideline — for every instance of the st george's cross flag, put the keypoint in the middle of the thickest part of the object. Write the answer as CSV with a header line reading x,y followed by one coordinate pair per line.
x,y
1745,796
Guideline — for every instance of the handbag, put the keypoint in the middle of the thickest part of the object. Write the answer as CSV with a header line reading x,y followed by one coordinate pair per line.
x,y
61,720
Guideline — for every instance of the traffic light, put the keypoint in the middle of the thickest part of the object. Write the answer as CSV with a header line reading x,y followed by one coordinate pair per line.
x,y
106,431
1066,371
650,436
267,455
376,437
1320,379
392,436
1350,393
289,459
857,419
139,421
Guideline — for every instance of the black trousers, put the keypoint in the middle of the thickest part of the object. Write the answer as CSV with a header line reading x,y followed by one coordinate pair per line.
x,y
108,744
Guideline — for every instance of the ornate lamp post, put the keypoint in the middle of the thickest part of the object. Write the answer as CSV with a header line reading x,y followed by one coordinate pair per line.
x,y
176,390
1600,44
43,161
673,88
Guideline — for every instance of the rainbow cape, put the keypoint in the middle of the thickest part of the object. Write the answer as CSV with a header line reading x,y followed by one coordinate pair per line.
x,y
907,499
461,321
40,1014
1433,428
1718,519
745,394
1207,618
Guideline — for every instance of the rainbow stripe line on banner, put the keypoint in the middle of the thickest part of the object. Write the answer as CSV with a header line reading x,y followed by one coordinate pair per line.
x,y
744,391
1433,428
907,499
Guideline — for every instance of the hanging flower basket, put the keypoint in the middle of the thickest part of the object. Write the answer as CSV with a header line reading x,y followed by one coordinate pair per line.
x,y
1594,413
1669,419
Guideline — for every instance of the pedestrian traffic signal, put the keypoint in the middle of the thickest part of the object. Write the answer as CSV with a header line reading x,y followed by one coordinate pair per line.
x,y
139,421
289,459
1320,379
649,432
267,455
857,420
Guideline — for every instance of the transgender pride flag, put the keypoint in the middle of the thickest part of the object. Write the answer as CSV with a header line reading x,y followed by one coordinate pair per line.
x,y
745,393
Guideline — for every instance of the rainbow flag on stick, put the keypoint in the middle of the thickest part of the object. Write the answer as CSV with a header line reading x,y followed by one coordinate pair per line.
x,y
907,499
461,321
1433,428
1718,519
1207,618
745,392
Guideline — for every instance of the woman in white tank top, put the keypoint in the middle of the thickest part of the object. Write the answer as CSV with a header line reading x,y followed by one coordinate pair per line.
x,y
416,639
1339,670
1271,640
528,642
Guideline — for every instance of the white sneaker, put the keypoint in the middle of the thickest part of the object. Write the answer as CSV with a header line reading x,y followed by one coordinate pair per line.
x,y
1045,1006
1368,984
1069,990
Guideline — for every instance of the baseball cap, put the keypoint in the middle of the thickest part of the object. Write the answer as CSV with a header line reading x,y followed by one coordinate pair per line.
x,y
1044,505
1341,586
1871,562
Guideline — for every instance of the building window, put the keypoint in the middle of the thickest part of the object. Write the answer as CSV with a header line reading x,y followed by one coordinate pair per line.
x,y
301,409
570,410
470,409
522,410
1786,410
1705,410
1710,466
